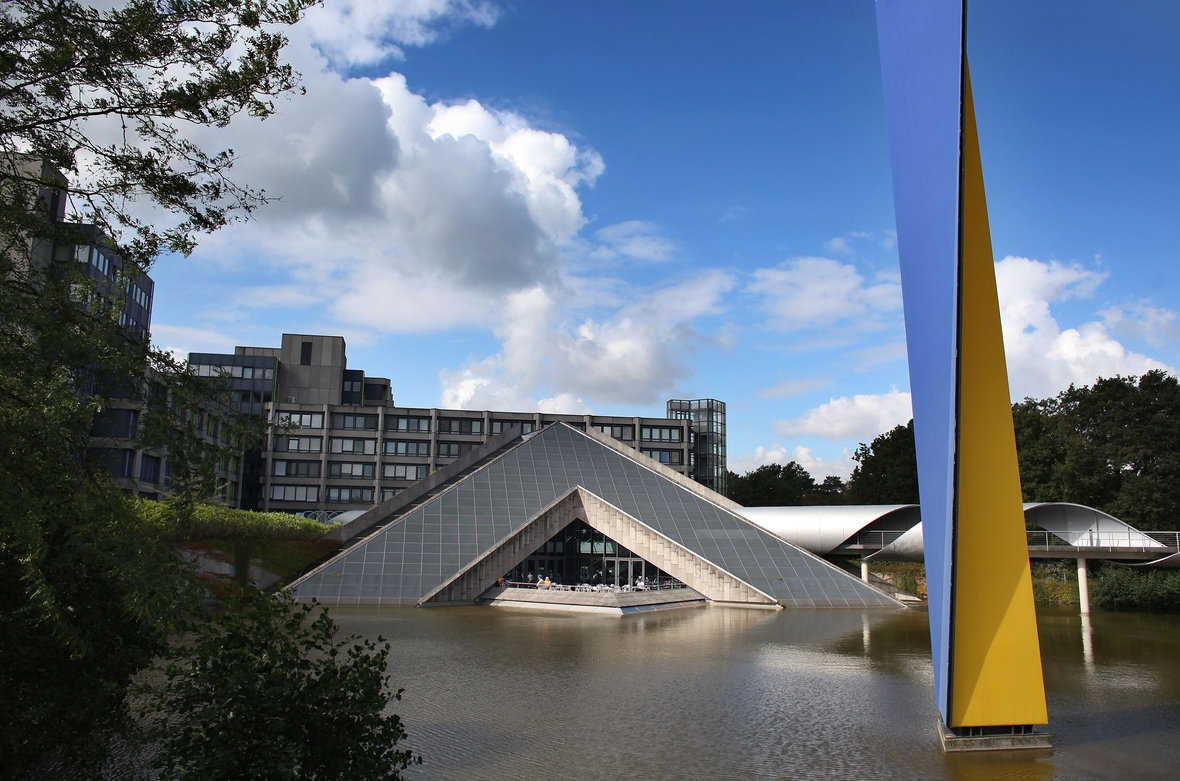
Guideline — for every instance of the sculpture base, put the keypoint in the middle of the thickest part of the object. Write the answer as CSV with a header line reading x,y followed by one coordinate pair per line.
x,y
992,738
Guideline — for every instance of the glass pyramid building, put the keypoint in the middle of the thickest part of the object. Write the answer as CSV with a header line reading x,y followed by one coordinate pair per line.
x,y
456,544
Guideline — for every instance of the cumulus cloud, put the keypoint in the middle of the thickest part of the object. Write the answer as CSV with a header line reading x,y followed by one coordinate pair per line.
x,y
632,356
838,246
1141,320
859,417
807,293
817,466
1043,358
365,32
633,239
791,388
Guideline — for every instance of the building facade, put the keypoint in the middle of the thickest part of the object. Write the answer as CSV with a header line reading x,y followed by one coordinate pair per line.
x,y
339,442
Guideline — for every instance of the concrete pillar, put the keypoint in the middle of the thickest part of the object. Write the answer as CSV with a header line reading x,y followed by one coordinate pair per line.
x,y
864,570
1084,586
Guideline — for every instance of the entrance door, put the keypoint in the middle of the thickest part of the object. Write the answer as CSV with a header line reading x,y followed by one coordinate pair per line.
x,y
624,572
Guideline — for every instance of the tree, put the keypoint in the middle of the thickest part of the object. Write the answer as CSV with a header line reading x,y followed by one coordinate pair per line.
x,y
771,485
886,470
831,491
1122,448
1040,448
101,99
267,692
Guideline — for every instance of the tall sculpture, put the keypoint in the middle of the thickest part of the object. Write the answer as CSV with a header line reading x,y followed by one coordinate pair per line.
x,y
987,664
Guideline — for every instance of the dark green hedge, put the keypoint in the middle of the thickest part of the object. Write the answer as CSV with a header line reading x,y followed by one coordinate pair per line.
x,y
209,521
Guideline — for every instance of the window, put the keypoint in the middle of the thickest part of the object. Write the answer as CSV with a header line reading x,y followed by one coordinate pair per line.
x,y
460,426
119,423
665,456
295,493
366,447
297,468
149,469
231,490
359,422
654,434
616,432
305,354
408,424
405,447
352,386
338,469
301,444
374,392
448,449
404,471
300,419
350,495
389,493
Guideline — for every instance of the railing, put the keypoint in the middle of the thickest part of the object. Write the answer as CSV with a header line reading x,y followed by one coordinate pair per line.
x,y
602,588
1121,539
871,540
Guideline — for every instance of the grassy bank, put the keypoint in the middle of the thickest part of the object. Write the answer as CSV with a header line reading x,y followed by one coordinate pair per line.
x,y
215,522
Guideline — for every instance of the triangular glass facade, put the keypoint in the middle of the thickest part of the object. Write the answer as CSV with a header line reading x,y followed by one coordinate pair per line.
x,y
440,539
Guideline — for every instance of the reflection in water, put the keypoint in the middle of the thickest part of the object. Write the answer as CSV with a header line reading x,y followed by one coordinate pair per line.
x,y
1087,642
732,694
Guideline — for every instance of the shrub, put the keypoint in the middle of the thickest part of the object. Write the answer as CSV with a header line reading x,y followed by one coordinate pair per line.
x,y
1127,588
266,691
211,521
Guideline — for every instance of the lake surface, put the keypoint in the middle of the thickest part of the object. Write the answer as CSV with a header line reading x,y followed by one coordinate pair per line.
x,y
728,693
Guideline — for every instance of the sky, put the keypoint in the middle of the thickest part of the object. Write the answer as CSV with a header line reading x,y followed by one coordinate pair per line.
x,y
598,206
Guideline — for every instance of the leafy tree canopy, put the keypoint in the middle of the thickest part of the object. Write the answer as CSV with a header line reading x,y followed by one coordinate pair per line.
x,y
778,485
886,469
103,99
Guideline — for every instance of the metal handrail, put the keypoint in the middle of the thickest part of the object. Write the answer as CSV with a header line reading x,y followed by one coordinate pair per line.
x,y
1120,539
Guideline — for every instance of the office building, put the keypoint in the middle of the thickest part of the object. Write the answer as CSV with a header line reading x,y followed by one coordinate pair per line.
x,y
341,443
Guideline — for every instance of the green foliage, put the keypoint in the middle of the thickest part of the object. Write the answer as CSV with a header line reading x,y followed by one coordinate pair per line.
x,y
771,485
91,591
887,469
909,576
90,596
213,521
266,691
1131,588
1055,582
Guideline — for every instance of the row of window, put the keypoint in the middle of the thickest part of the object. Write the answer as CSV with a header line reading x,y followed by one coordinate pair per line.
x,y
311,469
660,434
311,493
665,456
240,372
617,432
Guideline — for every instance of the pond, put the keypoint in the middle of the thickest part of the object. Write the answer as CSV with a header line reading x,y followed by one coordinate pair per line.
x,y
726,693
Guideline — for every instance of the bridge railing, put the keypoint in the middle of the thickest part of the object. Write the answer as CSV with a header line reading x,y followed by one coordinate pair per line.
x,y
1121,539
872,540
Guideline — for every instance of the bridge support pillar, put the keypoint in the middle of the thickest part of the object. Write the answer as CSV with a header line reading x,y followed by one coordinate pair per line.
x,y
1084,586
864,570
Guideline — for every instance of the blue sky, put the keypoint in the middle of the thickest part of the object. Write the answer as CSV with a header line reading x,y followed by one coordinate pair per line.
x,y
598,206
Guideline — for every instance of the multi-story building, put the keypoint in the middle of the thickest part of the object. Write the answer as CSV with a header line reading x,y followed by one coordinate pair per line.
x,y
707,418
339,442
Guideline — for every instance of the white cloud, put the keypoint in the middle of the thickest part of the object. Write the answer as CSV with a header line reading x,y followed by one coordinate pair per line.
x,y
788,389
838,246
182,340
1043,358
1141,320
806,293
633,239
632,356
859,417
817,466
365,32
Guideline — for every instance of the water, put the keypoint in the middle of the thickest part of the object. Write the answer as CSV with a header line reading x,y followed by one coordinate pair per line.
x,y
723,693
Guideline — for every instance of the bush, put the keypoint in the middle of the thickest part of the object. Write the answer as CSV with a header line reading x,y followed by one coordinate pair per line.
x,y
211,521
1126,588
1055,582
266,691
